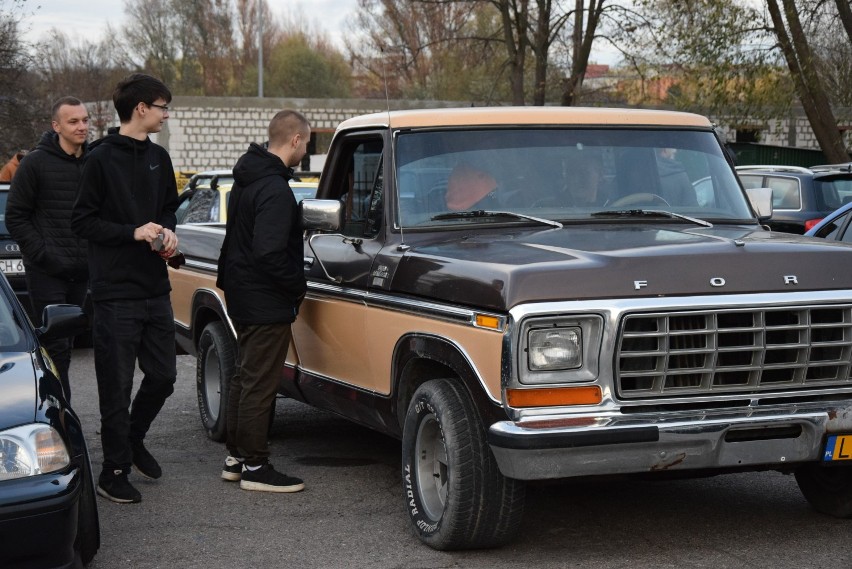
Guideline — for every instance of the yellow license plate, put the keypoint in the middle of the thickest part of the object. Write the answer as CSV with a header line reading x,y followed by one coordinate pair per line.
x,y
838,447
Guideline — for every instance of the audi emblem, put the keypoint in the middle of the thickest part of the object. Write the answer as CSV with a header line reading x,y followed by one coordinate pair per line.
x,y
12,248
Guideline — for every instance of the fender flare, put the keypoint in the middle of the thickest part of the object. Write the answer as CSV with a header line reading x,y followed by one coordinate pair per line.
x,y
419,357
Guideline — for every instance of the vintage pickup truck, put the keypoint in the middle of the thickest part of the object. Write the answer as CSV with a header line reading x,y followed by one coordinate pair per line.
x,y
524,294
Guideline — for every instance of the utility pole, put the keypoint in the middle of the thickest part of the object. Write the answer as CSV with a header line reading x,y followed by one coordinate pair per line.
x,y
260,48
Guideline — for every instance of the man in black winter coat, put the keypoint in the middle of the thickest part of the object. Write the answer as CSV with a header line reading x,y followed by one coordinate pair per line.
x,y
38,216
126,210
261,271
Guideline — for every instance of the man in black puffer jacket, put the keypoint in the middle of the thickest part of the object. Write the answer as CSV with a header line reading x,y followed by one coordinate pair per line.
x,y
38,216
261,270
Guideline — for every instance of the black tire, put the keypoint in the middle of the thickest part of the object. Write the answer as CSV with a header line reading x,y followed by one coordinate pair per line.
x,y
827,488
88,539
214,367
455,495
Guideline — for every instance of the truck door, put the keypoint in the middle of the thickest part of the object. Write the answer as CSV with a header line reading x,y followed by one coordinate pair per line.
x,y
329,334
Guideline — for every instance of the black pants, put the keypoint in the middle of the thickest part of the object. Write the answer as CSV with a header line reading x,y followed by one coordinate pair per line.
x,y
46,289
124,331
263,350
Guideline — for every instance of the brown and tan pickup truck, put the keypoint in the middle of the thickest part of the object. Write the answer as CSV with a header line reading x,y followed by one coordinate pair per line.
x,y
525,294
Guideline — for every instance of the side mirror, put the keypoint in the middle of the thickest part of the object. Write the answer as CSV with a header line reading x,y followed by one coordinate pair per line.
x,y
761,202
62,321
321,215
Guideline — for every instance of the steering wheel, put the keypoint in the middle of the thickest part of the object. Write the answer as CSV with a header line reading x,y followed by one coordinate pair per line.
x,y
640,198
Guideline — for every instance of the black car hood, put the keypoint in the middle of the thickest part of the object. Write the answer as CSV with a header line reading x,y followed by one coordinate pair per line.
x,y
18,394
501,270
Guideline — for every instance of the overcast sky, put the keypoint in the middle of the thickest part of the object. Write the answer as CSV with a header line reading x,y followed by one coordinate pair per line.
x,y
88,18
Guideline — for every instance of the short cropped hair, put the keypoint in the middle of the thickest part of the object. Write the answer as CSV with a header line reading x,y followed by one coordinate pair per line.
x,y
285,125
137,88
70,101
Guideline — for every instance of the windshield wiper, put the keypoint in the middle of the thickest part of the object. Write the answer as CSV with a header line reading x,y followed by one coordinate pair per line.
x,y
485,213
651,213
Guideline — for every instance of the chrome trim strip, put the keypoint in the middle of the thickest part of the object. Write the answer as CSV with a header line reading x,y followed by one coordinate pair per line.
x,y
201,265
409,305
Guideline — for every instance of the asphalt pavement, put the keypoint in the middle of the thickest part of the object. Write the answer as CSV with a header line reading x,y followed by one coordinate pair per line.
x,y
351,513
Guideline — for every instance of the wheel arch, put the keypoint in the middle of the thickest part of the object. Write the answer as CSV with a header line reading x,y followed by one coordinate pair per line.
x,y
208,307
420,357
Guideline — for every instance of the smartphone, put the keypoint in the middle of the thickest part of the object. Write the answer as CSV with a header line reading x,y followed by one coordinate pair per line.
x,y
157,244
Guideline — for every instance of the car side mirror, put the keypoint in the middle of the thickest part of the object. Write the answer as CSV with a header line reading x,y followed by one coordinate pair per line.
x,y
321,215
761,202
62,321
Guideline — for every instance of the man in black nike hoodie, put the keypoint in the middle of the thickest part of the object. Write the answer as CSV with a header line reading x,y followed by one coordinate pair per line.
x,y
261,270
125,208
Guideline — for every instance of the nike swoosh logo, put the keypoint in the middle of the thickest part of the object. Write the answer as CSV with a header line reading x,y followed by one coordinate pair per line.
x,y
153,166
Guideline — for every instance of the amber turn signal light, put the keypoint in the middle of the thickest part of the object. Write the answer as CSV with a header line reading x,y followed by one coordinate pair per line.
x,y
554,396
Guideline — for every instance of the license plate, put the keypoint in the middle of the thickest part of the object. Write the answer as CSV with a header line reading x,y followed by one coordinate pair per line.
x,y
838,447
12,266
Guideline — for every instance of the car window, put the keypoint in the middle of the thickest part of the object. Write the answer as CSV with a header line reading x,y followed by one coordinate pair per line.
x,y
785,192
3,196
832,193
830,229
563,174
203,207
12,337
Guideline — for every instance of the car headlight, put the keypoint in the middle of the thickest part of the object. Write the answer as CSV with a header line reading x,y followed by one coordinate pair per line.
x,y
556,348
559,349
31,450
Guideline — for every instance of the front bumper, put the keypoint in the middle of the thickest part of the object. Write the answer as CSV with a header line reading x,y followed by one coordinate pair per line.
x,y
38,519
765,437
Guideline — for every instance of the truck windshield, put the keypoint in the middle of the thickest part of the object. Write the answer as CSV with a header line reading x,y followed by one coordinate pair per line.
x,y
564,175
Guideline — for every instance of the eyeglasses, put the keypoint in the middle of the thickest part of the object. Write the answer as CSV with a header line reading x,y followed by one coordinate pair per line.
x,y
164,107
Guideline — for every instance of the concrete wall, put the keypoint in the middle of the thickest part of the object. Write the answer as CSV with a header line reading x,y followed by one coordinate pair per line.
x,y
209,133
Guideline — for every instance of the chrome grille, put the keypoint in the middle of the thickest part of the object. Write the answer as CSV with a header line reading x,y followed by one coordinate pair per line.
x,y
669,354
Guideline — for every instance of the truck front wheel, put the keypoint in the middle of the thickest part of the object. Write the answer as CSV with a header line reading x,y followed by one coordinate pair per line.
x,y
827,488
455,495
213,370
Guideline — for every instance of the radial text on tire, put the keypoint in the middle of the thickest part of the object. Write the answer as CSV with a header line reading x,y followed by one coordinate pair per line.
x,y
455,495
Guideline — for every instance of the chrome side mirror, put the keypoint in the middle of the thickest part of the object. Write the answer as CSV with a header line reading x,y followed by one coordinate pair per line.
x,y
761,202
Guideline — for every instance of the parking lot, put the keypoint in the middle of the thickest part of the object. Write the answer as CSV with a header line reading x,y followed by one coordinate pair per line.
x,y
352,515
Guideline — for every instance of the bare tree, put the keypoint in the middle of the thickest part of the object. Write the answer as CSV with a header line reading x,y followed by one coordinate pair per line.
x,y
803,68
22,112
426,49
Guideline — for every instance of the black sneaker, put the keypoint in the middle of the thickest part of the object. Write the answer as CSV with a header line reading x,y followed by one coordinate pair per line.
x,y
145,463
232,469
267,479
113,485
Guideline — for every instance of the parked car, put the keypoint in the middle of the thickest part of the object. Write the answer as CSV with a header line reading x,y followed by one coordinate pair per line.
x,y
11,263
205,197
835,227
48,512
801,197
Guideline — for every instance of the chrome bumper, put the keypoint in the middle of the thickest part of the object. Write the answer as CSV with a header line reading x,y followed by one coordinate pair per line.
x,y
550,447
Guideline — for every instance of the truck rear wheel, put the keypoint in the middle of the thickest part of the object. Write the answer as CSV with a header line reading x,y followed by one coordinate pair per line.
x,y
213,370
455,495
827,488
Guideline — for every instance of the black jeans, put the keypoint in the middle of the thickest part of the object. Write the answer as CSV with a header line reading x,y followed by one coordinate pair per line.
x,y
263,350
46,289
123,331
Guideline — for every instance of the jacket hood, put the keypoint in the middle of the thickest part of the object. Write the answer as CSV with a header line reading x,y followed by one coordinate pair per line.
x,y
122,142
49,142
501,270
259,163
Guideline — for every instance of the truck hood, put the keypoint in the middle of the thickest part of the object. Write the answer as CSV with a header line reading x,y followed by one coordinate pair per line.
x,y
501,270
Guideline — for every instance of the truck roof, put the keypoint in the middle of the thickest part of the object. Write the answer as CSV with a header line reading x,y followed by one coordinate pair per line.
x,y
511,116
